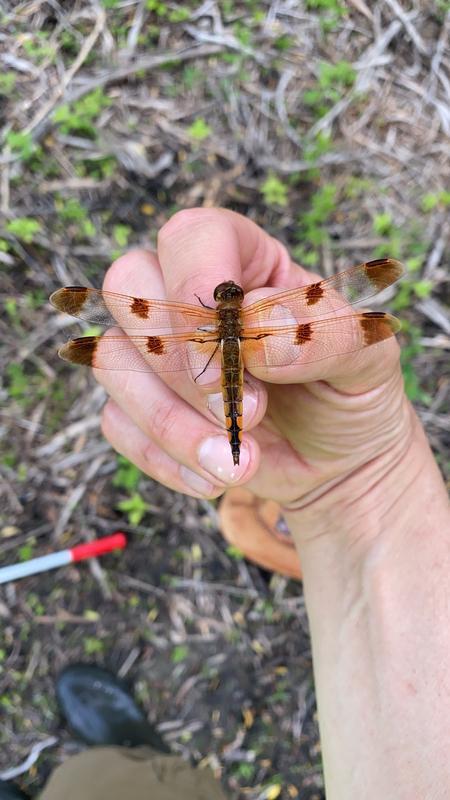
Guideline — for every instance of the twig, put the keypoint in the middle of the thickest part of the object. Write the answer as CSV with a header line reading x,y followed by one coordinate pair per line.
x,y
283,83
436,312
61,439
128,663
75,497
143,64
31,759
80,59
405,19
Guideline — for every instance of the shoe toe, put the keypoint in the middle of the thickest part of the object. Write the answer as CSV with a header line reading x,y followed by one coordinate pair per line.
x,y
8,791
101,711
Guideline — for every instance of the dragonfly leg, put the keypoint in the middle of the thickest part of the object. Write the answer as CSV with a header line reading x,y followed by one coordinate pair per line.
x,y
208,362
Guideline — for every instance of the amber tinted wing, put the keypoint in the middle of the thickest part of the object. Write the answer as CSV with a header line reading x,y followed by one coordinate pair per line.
x,y
144,353
312,341
109,308
325,297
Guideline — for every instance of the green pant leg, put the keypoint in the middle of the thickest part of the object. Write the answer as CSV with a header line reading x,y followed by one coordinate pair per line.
x,y
115,773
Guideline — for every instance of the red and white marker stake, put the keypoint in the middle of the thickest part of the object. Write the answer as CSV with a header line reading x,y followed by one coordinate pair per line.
x,y
117,541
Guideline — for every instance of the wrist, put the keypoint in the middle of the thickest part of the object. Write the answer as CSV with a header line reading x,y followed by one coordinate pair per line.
x,y
393,493
377,592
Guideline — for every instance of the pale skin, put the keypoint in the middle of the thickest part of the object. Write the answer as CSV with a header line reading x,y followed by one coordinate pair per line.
x,y
346,457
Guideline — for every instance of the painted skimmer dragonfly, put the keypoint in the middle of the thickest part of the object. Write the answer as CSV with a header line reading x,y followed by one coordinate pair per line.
x,y
294,326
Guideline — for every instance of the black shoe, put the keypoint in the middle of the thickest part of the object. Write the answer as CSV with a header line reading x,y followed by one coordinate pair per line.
x,y
100,710
8,791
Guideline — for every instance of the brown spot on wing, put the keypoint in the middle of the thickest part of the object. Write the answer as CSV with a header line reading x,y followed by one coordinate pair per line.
x,y
80,351
140,307
155,345
304,333
376,326
70,299
314,293
382,272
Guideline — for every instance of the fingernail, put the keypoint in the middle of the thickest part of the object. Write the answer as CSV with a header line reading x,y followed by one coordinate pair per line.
x,y
215,456
250,404
196,482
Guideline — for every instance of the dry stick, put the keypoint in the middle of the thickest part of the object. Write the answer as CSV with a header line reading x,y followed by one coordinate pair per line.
x,y
280,106
362,8
76,495
40,127
436,312
440,50
135,29
226,40
441,341
405,19
128,663
82,55
7,489
71,460
58,441
365,67
440,105
33,756
435,257
4,187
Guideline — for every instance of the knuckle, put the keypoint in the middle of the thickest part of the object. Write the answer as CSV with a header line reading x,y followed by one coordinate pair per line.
x,y
186,219
165,423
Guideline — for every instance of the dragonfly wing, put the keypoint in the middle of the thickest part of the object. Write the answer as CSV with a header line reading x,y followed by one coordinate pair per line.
x,y
109,308
170,353
326,297
303,343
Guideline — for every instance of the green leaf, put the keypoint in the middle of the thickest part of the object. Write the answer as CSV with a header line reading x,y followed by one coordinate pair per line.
x,y
234,552
91,615
24,228
7,82
179,15
199,129
121,234
127,474
179,653
10,306
92,645
71,210
274,191
25,552
135,507
429,201
422,288
21,143
382,224
79,116
341,74
88,228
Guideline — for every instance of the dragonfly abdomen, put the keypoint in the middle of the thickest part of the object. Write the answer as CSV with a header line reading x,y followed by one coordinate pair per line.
x,y
232,391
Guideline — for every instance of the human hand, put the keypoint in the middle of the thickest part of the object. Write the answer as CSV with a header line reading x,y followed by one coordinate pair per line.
x,y
307,428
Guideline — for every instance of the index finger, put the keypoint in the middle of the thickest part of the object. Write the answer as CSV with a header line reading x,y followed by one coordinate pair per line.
x,y
199,248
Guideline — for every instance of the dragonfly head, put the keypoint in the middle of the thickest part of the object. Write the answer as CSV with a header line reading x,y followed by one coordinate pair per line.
x,y
229,290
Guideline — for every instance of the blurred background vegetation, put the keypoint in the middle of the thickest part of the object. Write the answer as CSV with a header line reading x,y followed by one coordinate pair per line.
x,y
328,124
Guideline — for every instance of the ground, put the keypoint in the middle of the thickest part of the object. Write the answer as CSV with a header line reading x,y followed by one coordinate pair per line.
x,y
325,122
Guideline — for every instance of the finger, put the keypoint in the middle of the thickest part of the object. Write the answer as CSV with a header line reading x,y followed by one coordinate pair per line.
x,y
128,439
201,247
178,429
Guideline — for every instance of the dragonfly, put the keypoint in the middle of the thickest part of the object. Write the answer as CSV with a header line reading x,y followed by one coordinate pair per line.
x,y
295,326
